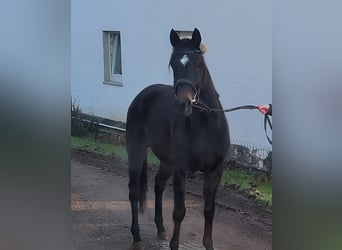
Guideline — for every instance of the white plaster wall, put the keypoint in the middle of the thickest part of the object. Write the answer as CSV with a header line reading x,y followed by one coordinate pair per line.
x,y
239,39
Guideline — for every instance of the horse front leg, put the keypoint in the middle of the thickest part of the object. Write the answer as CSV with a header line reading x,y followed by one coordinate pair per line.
x,y
211,182
179,205
160,180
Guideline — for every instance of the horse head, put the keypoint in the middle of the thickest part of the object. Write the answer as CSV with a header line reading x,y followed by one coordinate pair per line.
x,y
187,63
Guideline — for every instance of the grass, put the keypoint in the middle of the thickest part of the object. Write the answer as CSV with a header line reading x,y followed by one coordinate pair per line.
x,y
107,149
98,147
253,184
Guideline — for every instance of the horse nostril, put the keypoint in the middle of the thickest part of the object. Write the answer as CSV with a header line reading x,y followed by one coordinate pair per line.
x,y
184,96
189,96
184,99
185,89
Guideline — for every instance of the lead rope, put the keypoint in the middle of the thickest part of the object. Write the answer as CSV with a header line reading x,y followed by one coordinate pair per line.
x,y
262,109
267,120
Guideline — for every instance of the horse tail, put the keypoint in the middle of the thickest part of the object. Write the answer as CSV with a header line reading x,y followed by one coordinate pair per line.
x,y
143,187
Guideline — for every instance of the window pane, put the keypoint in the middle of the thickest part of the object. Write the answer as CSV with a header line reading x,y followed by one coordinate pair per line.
x,y
115,54
117,68
112,52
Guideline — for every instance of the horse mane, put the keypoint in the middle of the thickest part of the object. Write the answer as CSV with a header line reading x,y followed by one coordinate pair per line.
x,y
203,48
206,79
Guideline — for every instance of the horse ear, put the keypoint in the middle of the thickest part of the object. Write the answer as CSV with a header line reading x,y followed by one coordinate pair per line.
x,y
174,38
196,38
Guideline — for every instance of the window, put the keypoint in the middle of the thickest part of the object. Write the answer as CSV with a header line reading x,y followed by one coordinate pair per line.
x,y
112,58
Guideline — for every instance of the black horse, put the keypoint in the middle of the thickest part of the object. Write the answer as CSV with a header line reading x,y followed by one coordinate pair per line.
x,y
184,138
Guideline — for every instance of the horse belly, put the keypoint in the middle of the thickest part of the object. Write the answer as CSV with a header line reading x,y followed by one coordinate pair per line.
x,y
159,142
158,130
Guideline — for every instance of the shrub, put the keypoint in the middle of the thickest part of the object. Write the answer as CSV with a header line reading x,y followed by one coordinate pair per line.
x,y
80,127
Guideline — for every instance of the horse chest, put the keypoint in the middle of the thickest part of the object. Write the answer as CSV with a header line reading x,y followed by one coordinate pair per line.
x,y
208,142
205,150
207,137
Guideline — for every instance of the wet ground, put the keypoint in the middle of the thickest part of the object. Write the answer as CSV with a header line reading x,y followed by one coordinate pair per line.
x,y
101,211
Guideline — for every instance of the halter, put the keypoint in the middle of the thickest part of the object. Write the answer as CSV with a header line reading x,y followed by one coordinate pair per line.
x,y
189,83
187,51
195,99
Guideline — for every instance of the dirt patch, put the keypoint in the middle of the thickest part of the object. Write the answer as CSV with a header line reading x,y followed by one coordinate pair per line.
x,y
101,210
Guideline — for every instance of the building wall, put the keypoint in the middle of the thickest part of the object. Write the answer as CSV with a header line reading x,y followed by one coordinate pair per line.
x,y
237,33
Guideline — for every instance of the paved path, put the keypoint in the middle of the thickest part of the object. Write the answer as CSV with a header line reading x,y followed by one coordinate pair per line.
x,y
101,216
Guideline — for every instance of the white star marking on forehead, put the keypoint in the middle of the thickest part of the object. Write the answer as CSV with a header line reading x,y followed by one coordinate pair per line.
x,y
184,60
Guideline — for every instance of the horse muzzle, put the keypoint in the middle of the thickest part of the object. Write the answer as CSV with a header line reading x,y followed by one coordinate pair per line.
x,y
185,96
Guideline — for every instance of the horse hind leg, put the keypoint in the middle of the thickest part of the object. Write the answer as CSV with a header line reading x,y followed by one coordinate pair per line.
x,y
211,182
160,180
137,167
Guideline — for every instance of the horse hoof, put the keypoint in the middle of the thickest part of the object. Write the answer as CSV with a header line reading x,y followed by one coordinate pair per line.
x,y
208,244
139,245
173,245
162,236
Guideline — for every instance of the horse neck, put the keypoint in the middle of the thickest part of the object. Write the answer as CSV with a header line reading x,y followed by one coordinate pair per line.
x,y
208,92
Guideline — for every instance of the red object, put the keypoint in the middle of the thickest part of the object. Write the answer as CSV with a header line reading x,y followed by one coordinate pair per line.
x,y
263,108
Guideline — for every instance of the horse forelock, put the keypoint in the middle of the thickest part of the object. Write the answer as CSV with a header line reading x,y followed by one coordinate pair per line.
x,y
202,47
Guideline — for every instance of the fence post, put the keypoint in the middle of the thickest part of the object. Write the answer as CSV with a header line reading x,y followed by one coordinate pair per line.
x,y
96,129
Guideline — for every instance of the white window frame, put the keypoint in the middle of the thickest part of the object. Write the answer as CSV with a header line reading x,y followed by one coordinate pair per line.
x,y
109,56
